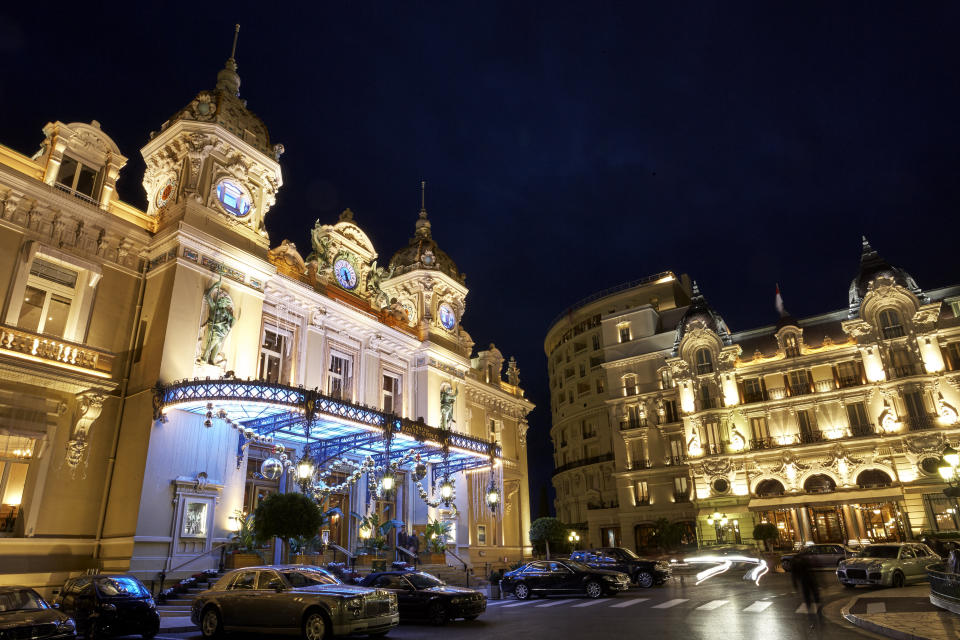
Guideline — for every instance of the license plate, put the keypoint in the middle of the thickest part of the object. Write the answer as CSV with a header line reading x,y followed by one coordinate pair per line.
x,y
858,581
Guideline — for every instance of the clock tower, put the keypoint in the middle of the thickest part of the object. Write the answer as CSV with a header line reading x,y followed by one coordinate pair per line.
x,y
212,164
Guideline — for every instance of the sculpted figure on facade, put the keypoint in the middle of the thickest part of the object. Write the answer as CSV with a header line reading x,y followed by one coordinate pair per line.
x,y
219,322
448,398
375,278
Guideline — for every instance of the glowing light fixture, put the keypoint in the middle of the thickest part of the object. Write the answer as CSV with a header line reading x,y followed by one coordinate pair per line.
x,y
305,468
951,456
573,537
387,482
446,490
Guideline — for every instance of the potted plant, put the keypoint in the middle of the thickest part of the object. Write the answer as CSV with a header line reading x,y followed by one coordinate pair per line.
x,y
243,548
435,536
374,534
495,577
287,516
765,532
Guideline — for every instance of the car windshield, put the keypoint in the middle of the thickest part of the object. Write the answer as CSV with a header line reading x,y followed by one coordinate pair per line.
x,y
424,580
628,553
303,578
577,566
880,552
21,600
117,586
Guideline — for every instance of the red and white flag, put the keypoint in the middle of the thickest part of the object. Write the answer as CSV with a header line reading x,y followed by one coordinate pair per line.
x,y
779,302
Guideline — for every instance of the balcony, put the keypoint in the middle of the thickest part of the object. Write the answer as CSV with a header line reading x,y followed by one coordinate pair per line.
x,y
676,460
704,368
811,437
613,504
904,371
607,457
681,496
635,465
920,423
895,331
749,398
626,425
852,381
777,393
586,435
35,347
824,386
799,389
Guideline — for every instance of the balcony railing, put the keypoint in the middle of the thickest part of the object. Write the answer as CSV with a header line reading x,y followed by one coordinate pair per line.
x,y
862,430
77,194
811,437
824,386
626,425
58,353
852,381
613,504
904,371
704,369
776,393
676,460
753,397
586,435
920,423
581,463
799,389
683,496
893,332
635,465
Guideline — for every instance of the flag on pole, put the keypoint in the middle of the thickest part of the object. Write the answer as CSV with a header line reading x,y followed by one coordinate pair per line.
x,y
779,302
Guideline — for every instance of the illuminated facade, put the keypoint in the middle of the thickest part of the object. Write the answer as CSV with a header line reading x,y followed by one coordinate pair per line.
x,y
152,361
829,427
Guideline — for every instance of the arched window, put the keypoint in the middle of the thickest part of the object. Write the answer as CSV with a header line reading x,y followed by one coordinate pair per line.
x,y
791,346
704,361
769,488
873,478
890,325
819,483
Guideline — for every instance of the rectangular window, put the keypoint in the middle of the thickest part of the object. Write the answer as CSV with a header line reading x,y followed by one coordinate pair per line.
x,y
273,350
391,399
77,177
676,450
599,385
759,430
901,363
583,370
711,437
848,373
670,411
955,307
666,380
13,477
680,485
752,391
913,401
953,354
943,512
624,331
857,414
596,342
481,534
799,382
47,299
643,494
339,376
806,426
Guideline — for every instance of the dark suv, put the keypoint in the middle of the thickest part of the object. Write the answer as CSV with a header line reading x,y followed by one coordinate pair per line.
x,y
109,605
643,572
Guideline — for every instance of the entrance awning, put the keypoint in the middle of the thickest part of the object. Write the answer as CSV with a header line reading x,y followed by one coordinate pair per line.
x,y
327,427
825,499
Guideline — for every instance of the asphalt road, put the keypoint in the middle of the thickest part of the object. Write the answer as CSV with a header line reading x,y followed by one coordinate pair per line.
x,y
725,606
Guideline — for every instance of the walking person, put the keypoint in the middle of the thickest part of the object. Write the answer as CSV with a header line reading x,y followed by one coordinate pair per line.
x,y
804,578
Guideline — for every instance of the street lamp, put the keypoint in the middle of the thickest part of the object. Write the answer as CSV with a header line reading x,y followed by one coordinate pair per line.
x,y
573,537
387,482
951,456
305,468
446,490
493,496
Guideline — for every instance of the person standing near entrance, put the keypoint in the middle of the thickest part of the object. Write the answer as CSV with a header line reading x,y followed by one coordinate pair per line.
x,y
804,578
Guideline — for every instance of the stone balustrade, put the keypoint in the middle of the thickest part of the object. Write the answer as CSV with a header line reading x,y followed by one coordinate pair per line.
x,y
45,349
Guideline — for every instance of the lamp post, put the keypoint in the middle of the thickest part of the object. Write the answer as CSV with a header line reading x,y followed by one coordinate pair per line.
x,y
573,538
718,520
305,469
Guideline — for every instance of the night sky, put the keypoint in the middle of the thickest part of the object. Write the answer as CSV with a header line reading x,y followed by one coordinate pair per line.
x,y
566,147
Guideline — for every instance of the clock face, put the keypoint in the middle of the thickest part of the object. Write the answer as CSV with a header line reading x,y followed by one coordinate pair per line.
x,y
346,274
411,313
166,193
447,318
233,199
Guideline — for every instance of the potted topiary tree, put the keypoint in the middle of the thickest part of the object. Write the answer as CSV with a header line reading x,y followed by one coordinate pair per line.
x,y
765,532
287,516
435,535
243,545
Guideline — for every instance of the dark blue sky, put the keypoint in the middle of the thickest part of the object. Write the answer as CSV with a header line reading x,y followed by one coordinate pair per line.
x,y
567,147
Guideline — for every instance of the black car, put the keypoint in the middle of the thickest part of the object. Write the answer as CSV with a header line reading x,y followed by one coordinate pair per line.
x,y
643,572
422,596
24,614
109,605
546,577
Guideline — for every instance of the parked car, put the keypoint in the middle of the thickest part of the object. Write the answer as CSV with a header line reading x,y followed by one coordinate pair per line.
x,y
819,556
109,605
546,577
643,572
887,564
426,597
24,614
293,600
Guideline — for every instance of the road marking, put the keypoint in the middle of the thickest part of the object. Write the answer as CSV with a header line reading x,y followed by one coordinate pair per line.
x,y
518,604
803,608
759,605
713,604
589,603
670,603
556,602
876,607
493,603
628,603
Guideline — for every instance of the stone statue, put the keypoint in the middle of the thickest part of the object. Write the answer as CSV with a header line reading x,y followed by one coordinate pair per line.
x,y
448,397
324,250
220,320
513,373
398,312
375,278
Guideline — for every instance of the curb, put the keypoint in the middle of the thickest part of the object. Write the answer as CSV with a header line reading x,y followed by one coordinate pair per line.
x,y
873,626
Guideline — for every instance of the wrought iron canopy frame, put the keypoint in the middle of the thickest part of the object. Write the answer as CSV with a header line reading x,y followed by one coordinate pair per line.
x,y
324,426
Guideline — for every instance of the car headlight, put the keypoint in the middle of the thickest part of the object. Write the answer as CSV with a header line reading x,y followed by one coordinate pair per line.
x,y
355,605
610,578
66,625
456,601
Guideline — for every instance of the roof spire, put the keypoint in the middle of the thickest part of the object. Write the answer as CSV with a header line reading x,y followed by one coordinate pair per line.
x,y
423,225
227,79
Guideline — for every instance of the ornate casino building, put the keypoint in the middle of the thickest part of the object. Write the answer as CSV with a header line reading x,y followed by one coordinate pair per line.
x,y
163,370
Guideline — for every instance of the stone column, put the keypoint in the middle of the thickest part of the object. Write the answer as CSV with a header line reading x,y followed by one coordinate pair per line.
x,y
805,524
853,531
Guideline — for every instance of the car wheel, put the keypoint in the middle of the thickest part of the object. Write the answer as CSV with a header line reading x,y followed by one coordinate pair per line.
x,y
897,581
522,591
437,614
644,579
315,626
594,589
210,625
